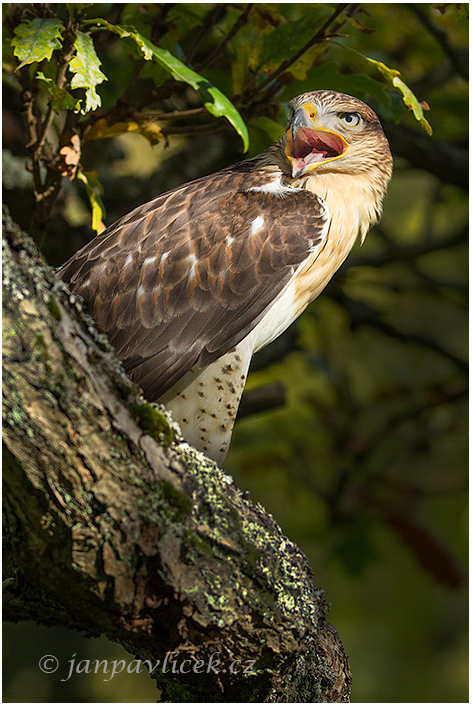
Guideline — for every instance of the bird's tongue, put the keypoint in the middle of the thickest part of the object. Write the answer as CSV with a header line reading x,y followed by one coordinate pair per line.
x,y
313,146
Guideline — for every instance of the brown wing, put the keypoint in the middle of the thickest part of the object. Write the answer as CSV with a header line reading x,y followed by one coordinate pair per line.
x,y
187,276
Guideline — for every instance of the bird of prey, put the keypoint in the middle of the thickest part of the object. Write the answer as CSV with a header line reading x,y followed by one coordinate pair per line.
x,y
188,286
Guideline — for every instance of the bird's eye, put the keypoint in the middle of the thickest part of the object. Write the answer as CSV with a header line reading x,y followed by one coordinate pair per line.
x,y
351,119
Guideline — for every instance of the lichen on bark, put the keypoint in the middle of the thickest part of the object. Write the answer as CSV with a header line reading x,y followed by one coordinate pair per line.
x,y
116,526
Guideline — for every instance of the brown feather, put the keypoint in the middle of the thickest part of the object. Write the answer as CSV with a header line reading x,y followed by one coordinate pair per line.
x,y
183,278
189,285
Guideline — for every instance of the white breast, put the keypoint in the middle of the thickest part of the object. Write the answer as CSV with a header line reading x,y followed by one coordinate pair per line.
x,y
277,318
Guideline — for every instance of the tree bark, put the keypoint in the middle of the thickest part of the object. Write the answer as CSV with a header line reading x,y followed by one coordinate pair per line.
x,y
114,525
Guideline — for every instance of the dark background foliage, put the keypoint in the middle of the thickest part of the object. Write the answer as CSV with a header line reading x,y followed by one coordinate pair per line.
x,y
364,466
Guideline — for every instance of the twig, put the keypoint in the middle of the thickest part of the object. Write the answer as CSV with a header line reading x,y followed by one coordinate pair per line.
x,y
261,399
408,253
31,120
211,20
173,115
63,60
240,22
442,39
45,192
316,39
190,129
363,314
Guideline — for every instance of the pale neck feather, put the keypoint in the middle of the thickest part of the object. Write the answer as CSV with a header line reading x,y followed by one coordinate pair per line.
x,y
354,202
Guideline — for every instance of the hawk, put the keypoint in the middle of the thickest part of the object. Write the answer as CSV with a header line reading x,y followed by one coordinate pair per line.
x,y
188,286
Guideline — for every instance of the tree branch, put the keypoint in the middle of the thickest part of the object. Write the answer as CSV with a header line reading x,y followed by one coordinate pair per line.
x,y
115,526
261,399
240,22
459,62
211,20
362,314
448,162
318,37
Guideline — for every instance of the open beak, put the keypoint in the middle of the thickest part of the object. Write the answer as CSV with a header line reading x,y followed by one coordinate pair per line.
x,y
309,146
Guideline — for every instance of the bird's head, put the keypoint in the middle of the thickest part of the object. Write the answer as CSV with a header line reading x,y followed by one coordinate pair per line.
x,y
333,132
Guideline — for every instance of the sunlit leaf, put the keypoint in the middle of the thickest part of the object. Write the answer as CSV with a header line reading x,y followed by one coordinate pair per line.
x,y
409,97
36,40
214,100
412,102
150,130
94,192
85,66
61,99
101,130
390,74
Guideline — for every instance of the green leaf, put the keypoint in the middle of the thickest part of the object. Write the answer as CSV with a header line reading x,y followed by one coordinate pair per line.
x,y
288,38
413,104
272,129
263,131
76,8
214,100
36,40
328,74
85,66
409,98
389,74
94,192
61,99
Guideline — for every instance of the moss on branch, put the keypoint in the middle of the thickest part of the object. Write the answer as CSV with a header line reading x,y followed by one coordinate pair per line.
x,y
117,526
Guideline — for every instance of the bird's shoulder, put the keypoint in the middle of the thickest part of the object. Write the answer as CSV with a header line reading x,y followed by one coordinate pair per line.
x,y
248,206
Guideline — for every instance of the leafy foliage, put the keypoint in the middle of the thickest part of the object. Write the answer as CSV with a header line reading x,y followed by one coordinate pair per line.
x,y
36,40
409,97
85,67
277,44
365,466
214,101
263,47
95,193
60,98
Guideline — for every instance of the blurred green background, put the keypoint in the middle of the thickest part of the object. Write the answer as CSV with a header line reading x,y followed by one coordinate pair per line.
x,y
364,466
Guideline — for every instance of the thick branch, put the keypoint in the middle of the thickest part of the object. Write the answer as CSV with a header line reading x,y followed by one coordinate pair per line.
x,y
115,526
